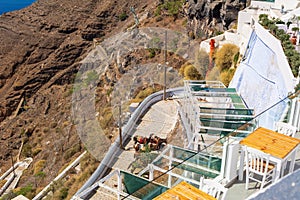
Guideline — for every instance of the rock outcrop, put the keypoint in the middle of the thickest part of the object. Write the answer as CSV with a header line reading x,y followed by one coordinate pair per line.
x,y
207,18
41,48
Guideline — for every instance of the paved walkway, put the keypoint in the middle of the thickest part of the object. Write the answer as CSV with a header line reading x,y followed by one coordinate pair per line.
x,y
160,120
18,170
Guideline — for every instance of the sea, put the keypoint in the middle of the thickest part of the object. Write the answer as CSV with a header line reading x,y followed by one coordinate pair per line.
x,y
11,5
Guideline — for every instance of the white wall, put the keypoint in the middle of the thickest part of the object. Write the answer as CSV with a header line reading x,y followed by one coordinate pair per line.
x,y
288,4
262,4
244,18
275,45
264,76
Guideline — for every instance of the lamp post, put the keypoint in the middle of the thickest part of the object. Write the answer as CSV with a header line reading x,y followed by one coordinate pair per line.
x,y
120,127
165,67
12,160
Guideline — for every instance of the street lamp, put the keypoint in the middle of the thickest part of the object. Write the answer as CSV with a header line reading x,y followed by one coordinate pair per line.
x,y
120,127
12,160
165,67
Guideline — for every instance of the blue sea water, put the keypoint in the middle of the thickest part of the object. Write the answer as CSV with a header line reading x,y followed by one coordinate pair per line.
x,y
11,5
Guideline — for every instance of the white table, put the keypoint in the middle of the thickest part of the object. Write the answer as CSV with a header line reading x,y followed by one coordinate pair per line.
x,y
280,147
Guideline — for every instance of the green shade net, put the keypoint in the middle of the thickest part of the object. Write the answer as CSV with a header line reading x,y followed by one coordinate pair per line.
x,y
140,187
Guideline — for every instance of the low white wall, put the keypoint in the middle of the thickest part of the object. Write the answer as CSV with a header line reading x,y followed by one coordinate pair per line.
x,y
288,4
262,4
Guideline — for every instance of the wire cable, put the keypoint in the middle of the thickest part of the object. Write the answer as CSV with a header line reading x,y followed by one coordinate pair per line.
x,y
207,146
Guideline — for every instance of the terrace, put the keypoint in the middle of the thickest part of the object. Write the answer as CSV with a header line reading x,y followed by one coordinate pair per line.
x,y
217,157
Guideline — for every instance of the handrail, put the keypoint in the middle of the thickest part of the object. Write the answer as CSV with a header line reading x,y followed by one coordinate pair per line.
x,y
43,192
127,131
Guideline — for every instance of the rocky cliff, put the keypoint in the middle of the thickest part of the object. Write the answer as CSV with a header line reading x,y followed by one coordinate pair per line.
x,y
41,48
208,18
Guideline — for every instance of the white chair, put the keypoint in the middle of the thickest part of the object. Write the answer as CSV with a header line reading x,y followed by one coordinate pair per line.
x,y
288,130
285,129
213,188
258,167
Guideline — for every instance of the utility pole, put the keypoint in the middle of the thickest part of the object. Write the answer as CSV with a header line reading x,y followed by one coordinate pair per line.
x,y
165,67
120,127
13,165
12,160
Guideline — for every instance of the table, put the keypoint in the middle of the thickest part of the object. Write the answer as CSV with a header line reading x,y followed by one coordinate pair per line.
x,y
279,146
184,191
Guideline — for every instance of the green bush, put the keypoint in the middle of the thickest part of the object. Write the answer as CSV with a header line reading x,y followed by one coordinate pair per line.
x,y
295,29
36,151
28,191
107,118
151,53
264,20
40,174
63,193
172,7
27,150
144,93
279,21
157,12
123,16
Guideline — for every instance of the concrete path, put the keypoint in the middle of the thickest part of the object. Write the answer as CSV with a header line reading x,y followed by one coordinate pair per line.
x,y
11,179
159,120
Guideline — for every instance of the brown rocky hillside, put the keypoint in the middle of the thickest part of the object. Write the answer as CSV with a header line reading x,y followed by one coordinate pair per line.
x,y
41,48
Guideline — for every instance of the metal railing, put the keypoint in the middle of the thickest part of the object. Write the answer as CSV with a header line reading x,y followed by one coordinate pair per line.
x,y
115,150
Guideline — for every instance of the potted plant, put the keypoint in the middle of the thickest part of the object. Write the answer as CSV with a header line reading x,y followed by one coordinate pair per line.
x,y
294,37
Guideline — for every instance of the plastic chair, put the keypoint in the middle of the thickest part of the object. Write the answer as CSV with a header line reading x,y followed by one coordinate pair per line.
x,y
213,188
258,167
285,129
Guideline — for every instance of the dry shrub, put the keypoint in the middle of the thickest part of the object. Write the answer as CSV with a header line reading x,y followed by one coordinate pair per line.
x,y
225,57
2,182
189,72
226,76
107,117
88,165
39,166
202,61
144,93
36,151
213,75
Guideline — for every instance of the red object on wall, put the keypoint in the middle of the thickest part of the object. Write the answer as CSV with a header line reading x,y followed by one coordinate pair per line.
x,y
293,40
212,44
211,53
